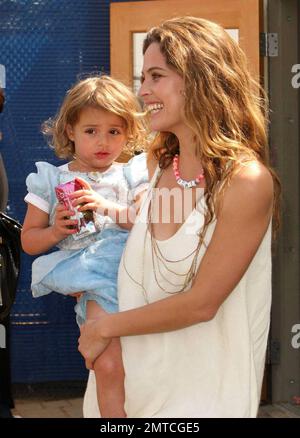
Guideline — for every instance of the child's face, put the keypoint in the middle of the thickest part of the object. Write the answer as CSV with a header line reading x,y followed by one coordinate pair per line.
x,y
99,137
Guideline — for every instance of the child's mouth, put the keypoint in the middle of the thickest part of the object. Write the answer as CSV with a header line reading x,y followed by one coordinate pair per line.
x,y
101,155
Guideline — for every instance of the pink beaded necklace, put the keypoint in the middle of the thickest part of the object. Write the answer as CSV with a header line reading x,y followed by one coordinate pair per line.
x,y
182,182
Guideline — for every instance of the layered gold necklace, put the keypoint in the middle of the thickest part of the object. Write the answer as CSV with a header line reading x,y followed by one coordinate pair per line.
x,y
159,261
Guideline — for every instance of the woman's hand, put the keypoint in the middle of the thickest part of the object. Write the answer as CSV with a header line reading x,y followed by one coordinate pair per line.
x,y
88,199
63,226
91,344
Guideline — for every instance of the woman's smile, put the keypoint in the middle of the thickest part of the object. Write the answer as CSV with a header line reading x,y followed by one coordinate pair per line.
x,y
154,108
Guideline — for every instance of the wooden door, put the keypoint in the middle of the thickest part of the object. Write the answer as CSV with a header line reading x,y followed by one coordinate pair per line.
x,y
129,18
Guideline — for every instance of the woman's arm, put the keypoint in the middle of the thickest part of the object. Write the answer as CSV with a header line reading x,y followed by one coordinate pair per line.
x,y
37,236
243,219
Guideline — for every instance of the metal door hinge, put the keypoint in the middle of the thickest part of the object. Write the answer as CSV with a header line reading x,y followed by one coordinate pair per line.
x,y
268,44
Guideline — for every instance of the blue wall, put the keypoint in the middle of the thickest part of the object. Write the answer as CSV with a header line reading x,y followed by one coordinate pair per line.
x,y
44,45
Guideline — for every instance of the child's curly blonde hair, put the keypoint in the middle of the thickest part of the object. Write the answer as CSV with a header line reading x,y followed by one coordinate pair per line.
x,y
101,92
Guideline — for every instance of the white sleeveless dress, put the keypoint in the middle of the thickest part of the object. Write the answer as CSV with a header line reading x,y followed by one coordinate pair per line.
x,y
211,369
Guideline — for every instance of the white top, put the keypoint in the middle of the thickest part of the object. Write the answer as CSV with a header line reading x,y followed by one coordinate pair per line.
x,y
211,369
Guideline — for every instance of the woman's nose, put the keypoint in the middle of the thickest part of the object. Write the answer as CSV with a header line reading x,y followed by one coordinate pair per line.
x,y
144,90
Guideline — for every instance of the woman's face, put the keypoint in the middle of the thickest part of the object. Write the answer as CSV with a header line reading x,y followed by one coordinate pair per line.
x,y
162,92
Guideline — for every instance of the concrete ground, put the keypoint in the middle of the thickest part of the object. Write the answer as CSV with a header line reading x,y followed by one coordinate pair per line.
x,y
72,408
49,399
65,408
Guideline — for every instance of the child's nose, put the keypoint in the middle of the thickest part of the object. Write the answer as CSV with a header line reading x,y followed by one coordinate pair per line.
x,y
102,139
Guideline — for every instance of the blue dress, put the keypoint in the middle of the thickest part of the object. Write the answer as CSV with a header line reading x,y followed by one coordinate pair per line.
x,y
89,264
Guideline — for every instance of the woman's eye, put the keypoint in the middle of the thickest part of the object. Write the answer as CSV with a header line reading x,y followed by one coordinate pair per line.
x,y
155,76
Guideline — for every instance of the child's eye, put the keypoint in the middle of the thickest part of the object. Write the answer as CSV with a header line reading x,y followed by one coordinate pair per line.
x,y
90,131
114,131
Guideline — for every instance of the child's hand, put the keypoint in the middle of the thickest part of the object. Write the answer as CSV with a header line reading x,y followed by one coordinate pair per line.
x,y
88,199
63,226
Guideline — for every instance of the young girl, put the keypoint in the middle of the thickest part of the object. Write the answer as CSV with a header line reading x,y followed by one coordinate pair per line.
x,y
97,120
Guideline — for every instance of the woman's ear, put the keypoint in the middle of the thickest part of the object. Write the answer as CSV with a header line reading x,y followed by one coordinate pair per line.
x,y
70,132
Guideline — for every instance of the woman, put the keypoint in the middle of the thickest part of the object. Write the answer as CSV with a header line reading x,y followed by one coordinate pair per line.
x,y
195,290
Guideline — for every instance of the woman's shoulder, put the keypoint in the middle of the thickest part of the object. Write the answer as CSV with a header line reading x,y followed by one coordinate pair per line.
x,y
251,184
253,173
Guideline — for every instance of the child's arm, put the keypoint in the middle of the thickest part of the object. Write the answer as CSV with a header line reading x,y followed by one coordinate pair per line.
x,y
37,236
124,216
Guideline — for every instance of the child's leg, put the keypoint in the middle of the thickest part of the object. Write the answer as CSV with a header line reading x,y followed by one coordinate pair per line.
x,y
109,373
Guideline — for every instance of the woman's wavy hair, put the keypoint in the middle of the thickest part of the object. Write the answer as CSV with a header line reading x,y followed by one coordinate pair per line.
x,y
224,106
102,92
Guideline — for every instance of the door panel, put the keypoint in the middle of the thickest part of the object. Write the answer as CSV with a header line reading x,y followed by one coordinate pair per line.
x,y
134,17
